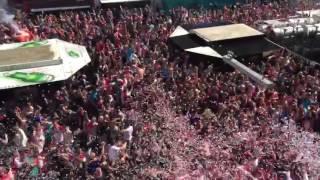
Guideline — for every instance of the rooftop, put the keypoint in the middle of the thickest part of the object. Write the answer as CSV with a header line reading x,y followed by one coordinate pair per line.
x,y
226,32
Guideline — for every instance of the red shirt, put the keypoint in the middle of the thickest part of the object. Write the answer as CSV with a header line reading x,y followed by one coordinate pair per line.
x,y
100,46
8,176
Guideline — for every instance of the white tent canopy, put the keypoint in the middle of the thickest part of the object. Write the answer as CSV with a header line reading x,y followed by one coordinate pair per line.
x,y
226,32
179,31
37,62
205,50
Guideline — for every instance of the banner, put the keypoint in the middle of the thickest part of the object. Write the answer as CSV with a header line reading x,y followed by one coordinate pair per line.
x,y
44,5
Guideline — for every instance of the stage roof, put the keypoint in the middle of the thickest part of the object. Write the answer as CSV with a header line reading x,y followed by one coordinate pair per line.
x,y
226,32
38,62
245,46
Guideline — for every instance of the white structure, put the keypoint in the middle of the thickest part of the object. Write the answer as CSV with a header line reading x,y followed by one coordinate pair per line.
x,y
179,31
305,23
37,62
221,33
226,32
309,13
204,50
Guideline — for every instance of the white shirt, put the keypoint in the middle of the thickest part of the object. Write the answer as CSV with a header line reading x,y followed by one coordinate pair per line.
x,y
40,141
127,133
58,136
17,162
113,153
21,138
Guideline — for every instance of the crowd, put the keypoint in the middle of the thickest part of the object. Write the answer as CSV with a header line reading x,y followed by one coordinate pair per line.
x,y
138,111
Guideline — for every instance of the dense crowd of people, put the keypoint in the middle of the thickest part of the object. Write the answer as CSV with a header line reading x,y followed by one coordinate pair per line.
x,y
140,111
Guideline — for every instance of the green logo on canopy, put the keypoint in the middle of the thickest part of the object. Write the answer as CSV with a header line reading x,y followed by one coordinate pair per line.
x,y
34,77
73,54
34,44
